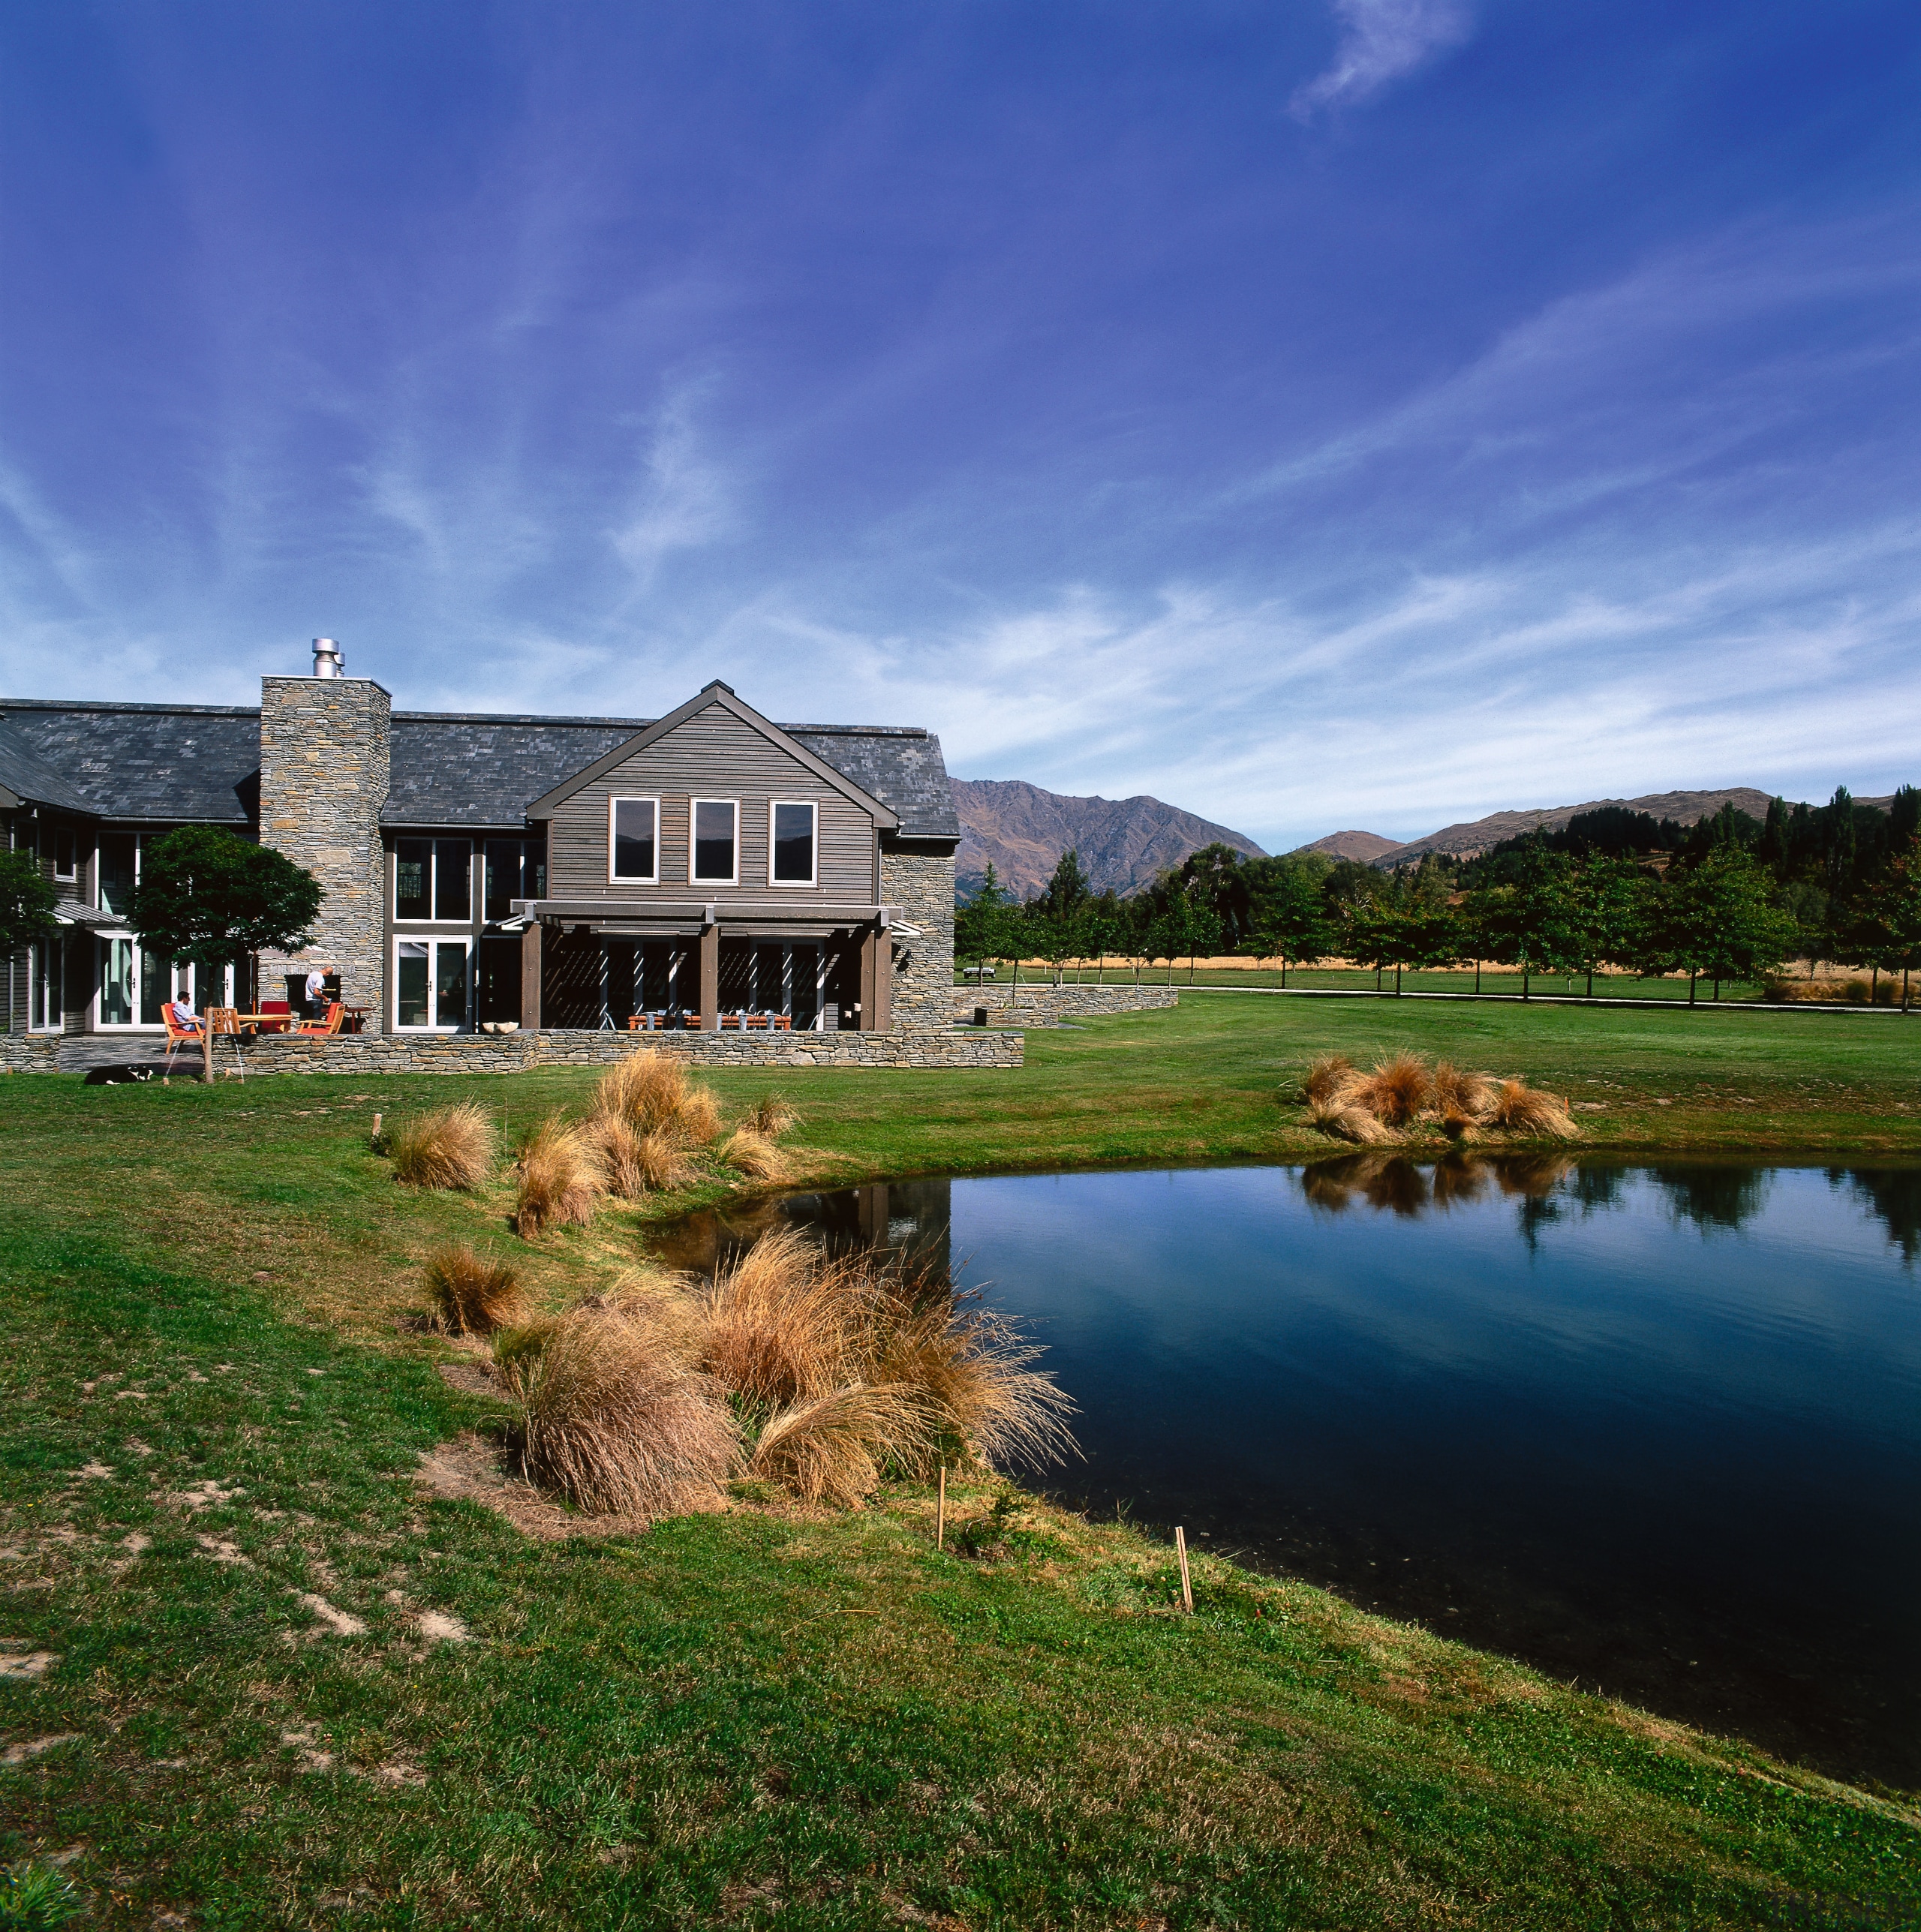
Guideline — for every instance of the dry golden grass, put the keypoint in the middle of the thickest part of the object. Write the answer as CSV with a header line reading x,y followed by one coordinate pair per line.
x,y
652,1093
1518,1108
618,1145
772,1115
469,1296
754,1155
833,1448
783,1323
451,1147
1328,1078
1458,1095
1347,1121
561,1178
614,1421
863,1365
1397,1091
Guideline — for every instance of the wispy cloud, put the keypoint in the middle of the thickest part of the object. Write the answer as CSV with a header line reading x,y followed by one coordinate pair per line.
x,y
1381,41
686,498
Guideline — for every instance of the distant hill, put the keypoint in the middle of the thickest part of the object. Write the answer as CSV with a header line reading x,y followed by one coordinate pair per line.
x,y
1368,848
1124,844
1464,841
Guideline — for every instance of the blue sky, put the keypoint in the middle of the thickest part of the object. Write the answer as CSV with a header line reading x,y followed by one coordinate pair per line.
x,y
1321,413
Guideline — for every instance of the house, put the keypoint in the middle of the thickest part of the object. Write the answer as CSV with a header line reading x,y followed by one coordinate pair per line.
x,y
561,872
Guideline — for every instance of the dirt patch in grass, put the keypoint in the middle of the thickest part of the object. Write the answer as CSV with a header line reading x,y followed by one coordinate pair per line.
x,y
469,1469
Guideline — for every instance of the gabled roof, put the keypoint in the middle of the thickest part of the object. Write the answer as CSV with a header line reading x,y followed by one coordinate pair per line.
x,y
27,780
479,770
717,696
198,763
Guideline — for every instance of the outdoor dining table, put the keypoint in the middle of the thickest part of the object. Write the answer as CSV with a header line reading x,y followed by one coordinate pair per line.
x,y
266,1022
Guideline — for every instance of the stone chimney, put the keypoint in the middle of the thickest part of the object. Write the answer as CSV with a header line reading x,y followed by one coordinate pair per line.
x,y
323,780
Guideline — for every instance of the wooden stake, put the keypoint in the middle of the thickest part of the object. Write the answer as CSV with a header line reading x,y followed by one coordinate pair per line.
x,y
1187,1581
940,1513
375,1141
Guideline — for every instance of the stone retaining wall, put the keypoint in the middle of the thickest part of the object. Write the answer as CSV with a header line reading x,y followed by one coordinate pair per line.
x,y
1041,1006
363,1055
30,1052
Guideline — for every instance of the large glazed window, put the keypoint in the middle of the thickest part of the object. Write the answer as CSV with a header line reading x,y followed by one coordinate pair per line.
x,y
433,879
46,1011
634,828
430,984
791,837
714,842
516,869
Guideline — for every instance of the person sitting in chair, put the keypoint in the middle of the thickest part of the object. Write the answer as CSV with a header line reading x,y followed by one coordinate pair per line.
x,y
186,1019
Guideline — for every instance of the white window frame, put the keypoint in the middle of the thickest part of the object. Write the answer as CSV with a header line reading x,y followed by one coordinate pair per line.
x,y
642,798
37,954
430,941
813,845
175,970
693,840
476,853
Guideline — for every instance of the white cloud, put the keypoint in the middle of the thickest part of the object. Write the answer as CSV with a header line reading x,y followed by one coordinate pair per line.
x,y
686,501
1381,41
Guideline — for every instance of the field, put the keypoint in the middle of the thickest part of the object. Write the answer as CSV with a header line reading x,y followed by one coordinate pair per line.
x,y
252,1672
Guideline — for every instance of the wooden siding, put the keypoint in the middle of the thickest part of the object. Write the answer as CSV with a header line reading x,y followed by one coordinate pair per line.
x,y
714,755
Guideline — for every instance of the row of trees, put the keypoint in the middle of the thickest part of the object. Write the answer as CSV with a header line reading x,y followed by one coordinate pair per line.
x,y
1719,913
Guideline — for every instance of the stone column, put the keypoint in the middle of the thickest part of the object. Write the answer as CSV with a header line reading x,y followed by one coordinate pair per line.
x,y
917,877
323,780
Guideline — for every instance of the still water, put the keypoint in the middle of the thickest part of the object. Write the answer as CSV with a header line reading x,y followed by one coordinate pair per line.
x,y
1657,1430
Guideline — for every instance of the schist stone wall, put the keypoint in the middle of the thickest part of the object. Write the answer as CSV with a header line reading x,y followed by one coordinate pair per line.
x,y
1037,1003
921,882
323,780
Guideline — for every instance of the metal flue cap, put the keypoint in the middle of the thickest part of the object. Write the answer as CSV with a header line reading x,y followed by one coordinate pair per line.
x,y
328,662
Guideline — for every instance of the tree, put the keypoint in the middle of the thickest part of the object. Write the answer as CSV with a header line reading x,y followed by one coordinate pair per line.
x,y
26,903
206,897
1718,921
1528,922
1290,919
1373,935
1608,903
1893,915
1068,890
976,923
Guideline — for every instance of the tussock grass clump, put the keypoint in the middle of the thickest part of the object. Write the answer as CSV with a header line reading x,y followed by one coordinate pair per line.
x,y
860,1365
1397,1091
772,1116
751,1153
1518,1108
451,1147
652,1092
561,1177
469,1296
612,1420
834,1448
1375,1109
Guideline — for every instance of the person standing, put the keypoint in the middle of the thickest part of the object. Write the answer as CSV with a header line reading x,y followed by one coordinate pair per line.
x,y
317,991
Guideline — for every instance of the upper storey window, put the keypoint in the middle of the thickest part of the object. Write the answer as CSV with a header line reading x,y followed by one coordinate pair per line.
x,y
716,842
63,849
790,831
516,869
433,879
633,831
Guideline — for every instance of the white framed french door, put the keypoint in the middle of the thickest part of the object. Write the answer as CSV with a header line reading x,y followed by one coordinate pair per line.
x,y
430,980
134,985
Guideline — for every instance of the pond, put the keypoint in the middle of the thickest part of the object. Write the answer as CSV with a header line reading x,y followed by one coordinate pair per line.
x,y
1656,1430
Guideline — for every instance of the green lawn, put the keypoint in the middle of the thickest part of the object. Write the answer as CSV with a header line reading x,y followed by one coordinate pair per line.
x,y
773,1717
1355,979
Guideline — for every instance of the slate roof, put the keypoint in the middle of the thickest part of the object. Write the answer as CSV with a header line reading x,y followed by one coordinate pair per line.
x,y
166,762
477,770
27,776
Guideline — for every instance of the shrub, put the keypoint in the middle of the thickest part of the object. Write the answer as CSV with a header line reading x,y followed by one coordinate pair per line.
x,y
561,1178
771,1115
469,1296
754,1155
1329,1077
612,1420
783,1322
451,1147
652,1092
1347,1121
1395,1091
1464,1097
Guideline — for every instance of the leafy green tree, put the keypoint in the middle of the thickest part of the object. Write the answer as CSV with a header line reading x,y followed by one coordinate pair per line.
x,y
1290,918
1068,890
1608,901
1893,915
27,901
1528,922
206,897
977,924
1719,920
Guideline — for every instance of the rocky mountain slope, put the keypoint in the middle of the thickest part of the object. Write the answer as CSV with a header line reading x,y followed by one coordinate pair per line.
x,y
1477,836
1123,842
1368,847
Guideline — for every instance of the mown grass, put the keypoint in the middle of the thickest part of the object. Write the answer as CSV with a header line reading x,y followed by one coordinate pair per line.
x,y
769,1716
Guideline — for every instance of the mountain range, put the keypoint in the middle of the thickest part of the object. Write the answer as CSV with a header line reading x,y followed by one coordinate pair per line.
x,y
1124,844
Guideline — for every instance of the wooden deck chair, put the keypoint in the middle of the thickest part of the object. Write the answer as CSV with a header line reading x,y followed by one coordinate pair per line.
x,y
318,1029
224,1023
178,1036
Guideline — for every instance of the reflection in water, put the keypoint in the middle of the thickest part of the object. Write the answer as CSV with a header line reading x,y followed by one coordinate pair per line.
x,y
912,1219
1656,1429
